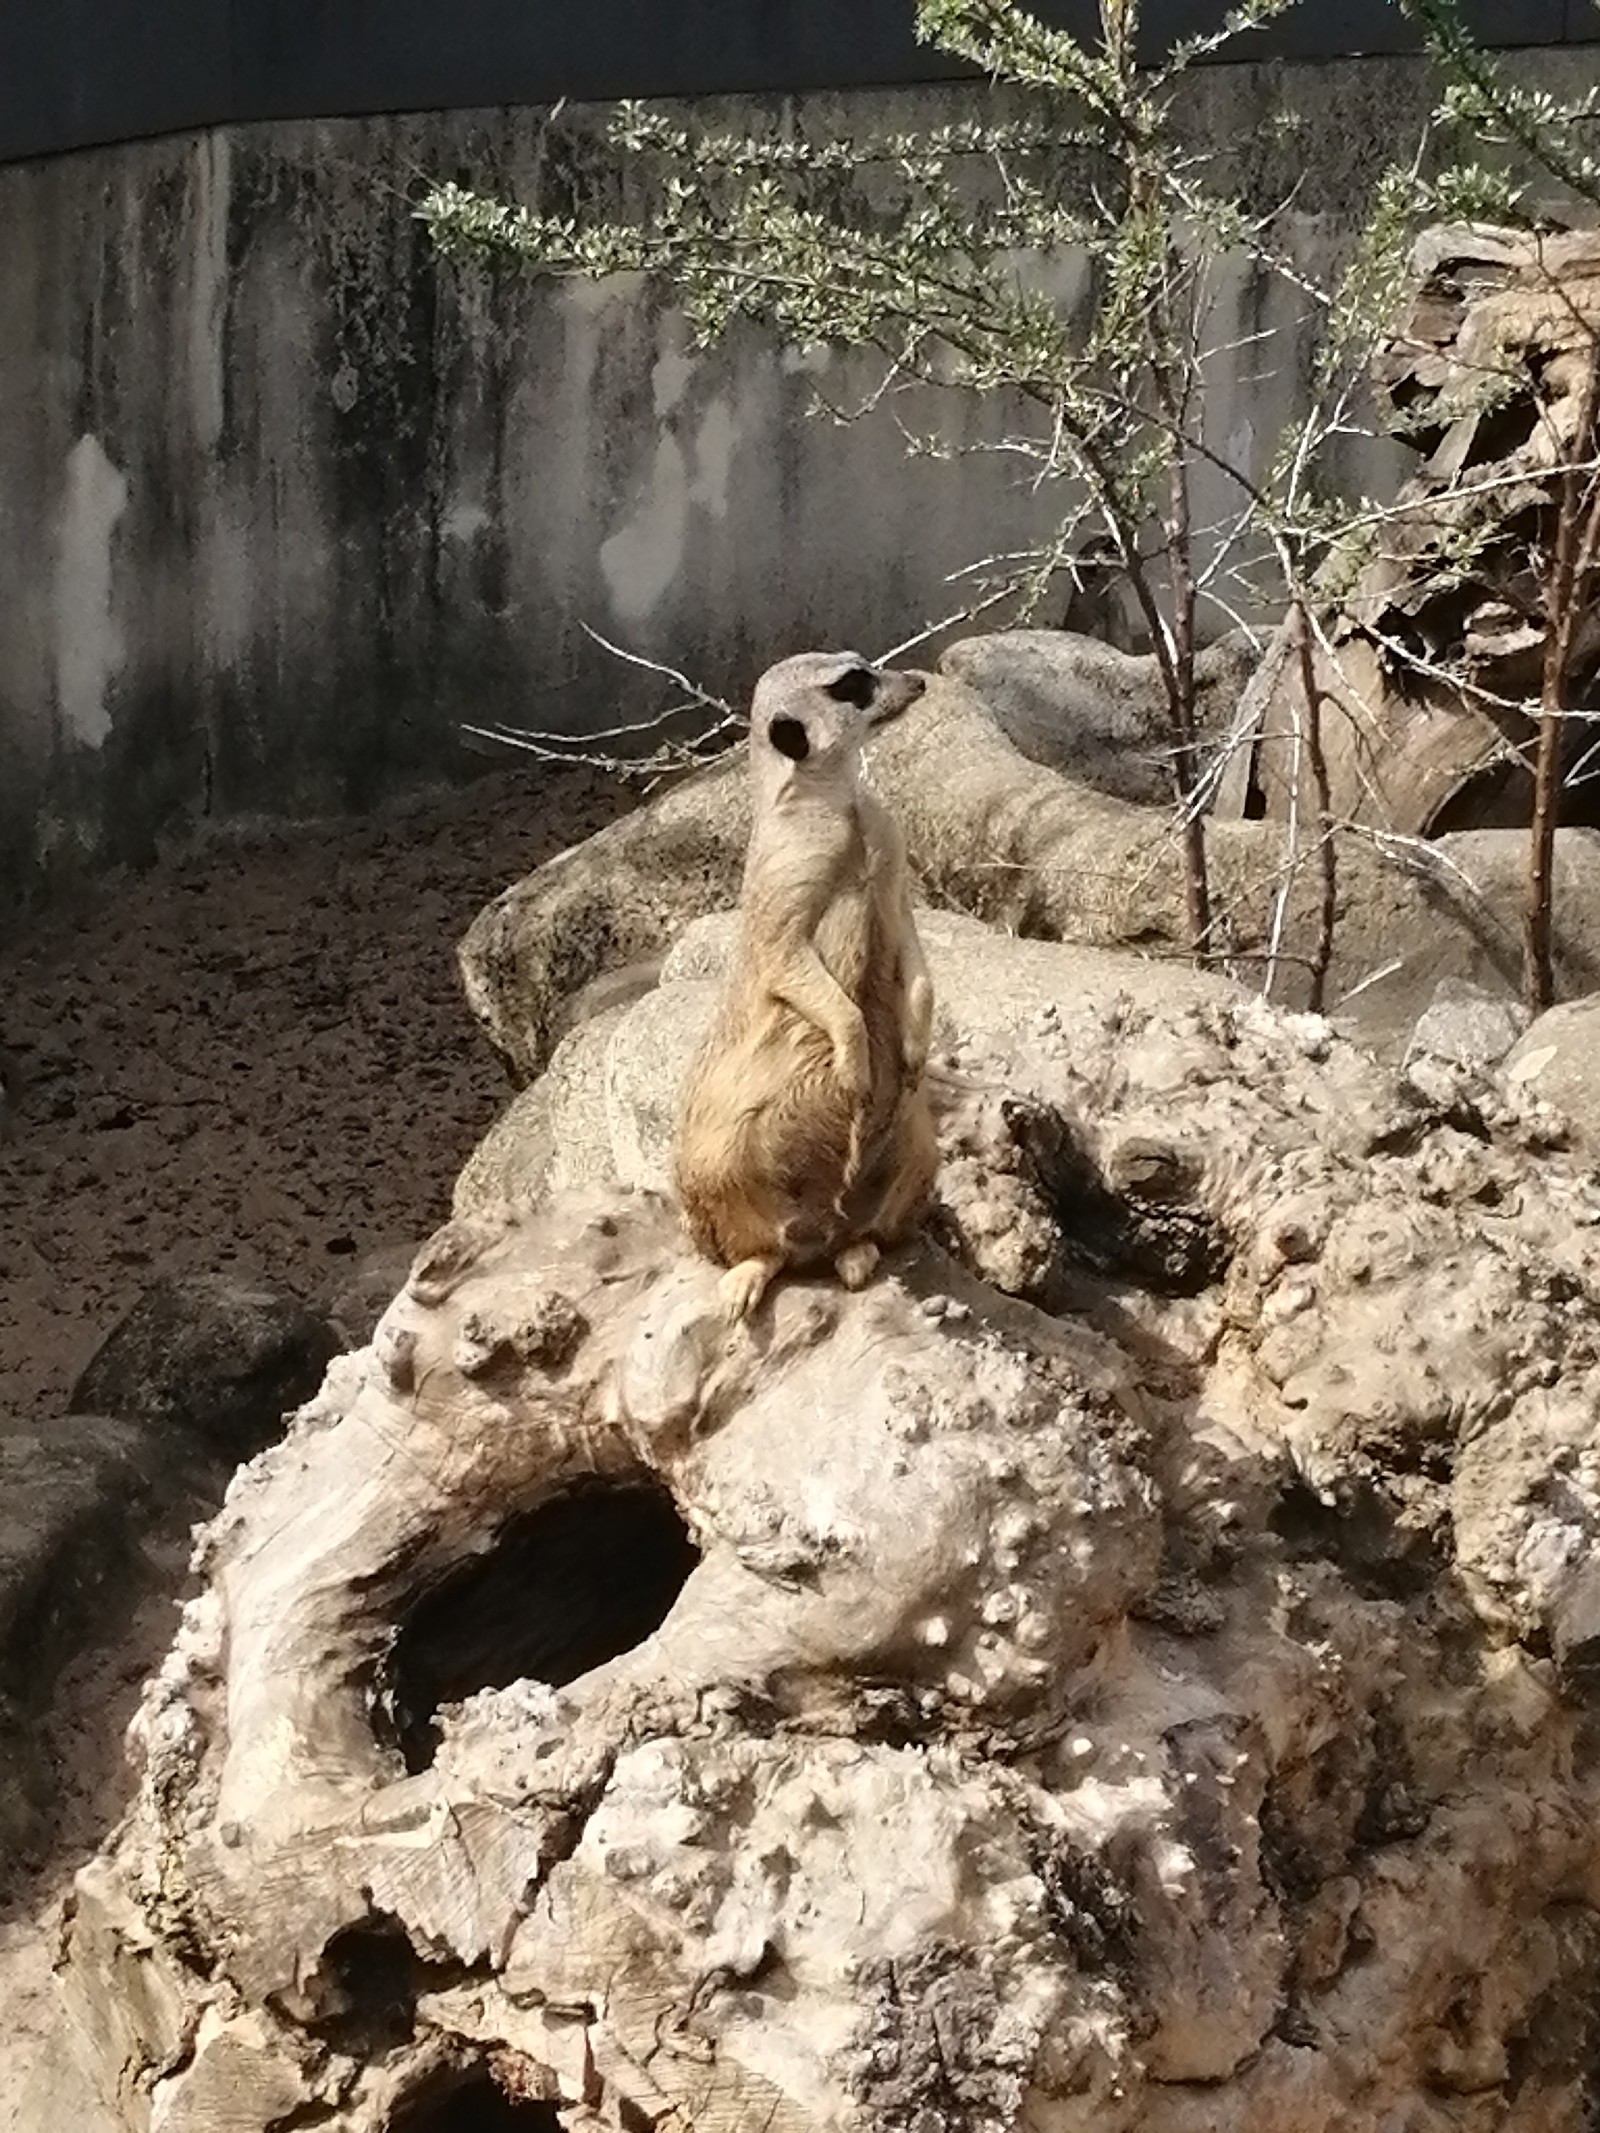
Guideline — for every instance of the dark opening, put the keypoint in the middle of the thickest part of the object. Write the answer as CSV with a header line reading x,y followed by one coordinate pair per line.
x,y
472,2102
1148,1232
1384,1557
579,1581
369,1987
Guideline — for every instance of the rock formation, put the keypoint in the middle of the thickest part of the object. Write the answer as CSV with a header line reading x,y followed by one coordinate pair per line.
x,y
1036,853
1130,1667
1096,712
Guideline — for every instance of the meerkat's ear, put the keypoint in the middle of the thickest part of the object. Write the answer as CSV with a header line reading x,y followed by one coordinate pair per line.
x,y
790,738
856,685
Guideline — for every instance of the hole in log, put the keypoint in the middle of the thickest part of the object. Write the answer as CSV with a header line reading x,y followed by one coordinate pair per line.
x,y
1383,1557
1145,1226
370,1988
471,2102
581,1580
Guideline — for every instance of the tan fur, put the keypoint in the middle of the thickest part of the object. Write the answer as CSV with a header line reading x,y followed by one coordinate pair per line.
x,y
805,1136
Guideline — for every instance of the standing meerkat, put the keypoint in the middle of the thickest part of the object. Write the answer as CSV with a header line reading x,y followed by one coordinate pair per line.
x,y
805,1136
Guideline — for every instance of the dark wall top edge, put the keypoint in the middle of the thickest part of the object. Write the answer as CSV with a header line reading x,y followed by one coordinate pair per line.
x,y
86,73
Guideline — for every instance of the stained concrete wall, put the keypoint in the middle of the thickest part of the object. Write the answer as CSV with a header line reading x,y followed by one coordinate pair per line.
x,y
282,501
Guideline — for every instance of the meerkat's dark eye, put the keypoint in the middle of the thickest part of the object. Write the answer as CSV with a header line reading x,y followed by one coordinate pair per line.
x,y
857,685
790,738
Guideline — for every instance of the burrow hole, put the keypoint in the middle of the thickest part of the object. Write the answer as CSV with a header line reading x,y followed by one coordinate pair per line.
x,y
471,2101
581,1580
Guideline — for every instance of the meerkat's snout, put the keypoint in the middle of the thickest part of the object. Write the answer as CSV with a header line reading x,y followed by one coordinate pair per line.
x,y
896,692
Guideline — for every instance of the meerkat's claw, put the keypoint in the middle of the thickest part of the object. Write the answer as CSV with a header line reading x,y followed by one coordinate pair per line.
x,y
852,1063
857,1263
741,1289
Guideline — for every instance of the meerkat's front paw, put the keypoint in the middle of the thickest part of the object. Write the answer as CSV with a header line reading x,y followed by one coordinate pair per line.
x,y
852,1063
741,1289
919,1028
857,1263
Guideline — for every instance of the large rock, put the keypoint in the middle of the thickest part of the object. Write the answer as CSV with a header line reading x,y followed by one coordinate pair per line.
x,y
1557,1061
605,1110
1461,1036
209,1360
1041,855
1494,865
74,1501
1466,1027
1140,1681
1100,715
617,900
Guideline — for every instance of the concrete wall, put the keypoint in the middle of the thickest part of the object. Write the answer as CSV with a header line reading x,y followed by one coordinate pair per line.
x,y
282,502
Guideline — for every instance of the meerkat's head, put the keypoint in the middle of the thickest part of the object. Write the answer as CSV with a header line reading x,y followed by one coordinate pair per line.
x,y
812,713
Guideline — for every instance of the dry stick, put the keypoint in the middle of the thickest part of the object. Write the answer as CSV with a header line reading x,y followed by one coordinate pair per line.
x,y
1567,586
1180,563
1328,860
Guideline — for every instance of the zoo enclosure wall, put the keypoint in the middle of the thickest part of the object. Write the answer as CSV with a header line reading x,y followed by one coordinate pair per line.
x,y
283,502
81,73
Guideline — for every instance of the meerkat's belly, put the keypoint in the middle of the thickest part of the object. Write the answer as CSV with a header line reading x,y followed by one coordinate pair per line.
x,y
847,940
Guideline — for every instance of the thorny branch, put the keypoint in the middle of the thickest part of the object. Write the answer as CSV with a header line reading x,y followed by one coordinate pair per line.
x,y
915,246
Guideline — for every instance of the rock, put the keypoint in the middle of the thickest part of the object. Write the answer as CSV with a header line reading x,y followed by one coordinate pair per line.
x,y
608,904
209,1360
1095,713
605,1110
1139,1681
612,988
352,1300
1557,1062
73,1501
1040,855
1460,1036
512,1161
1495,863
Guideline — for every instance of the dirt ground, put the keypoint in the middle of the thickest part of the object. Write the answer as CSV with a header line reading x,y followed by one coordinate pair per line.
x,y
256,1057
253,1058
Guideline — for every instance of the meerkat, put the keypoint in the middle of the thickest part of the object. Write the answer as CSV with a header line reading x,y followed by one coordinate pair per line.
x,y
805,1136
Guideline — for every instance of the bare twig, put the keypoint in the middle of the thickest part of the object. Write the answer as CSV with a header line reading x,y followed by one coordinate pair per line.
x,y
1328,906
1568,587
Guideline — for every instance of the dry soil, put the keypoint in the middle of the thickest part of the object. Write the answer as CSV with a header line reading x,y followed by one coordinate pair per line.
x,y
253,1057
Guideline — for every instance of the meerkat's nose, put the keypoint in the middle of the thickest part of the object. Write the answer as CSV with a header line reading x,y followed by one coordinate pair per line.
x,y
896,692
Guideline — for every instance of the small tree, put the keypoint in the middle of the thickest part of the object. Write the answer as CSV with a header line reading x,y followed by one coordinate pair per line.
x,y
922,248
927,264
1534,131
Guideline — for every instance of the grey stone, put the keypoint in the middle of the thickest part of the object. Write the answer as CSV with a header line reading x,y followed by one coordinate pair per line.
x,y
210,1360
1467,1027
73,1500
1557,1060
1097,714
